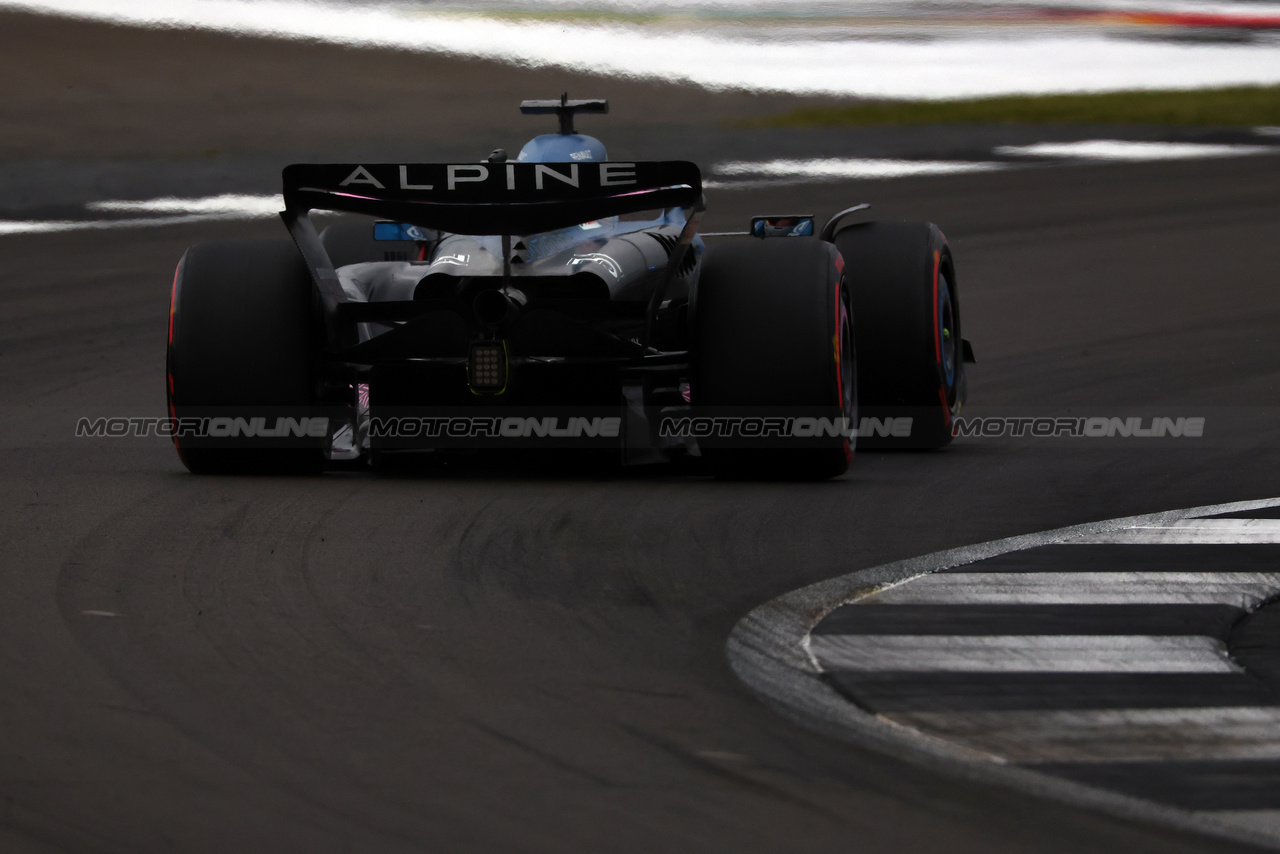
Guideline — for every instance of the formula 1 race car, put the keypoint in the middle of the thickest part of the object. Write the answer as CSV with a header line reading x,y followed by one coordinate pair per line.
x,y
522,304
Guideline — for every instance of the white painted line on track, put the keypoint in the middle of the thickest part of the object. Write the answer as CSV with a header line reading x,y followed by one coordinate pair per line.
x,y
742,174
1193,532
831,167
1265,822
172,211
8,227
1022,653
1242,589
240,204
770,650
1112,735
92,613
1132,150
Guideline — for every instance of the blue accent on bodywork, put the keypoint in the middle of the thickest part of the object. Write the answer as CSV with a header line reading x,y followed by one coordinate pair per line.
x,y
397,231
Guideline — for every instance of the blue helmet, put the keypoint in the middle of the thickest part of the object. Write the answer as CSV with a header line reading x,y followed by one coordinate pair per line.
x,y
563,148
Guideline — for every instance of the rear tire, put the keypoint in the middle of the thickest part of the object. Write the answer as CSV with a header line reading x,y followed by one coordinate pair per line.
x,y
907,314
773,337
242,344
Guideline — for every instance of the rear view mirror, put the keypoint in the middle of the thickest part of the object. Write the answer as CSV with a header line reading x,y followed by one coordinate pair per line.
x,y
400,231
784,225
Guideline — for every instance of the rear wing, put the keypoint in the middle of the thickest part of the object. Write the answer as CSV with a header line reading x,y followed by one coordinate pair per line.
x,y
492,197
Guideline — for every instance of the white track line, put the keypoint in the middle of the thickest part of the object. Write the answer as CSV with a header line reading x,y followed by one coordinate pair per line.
x,y
8,227
1114,735
170,210
850,168
242,204
1242,589
1131,150
1192,532
1022,653
771,650
1261,821
748,174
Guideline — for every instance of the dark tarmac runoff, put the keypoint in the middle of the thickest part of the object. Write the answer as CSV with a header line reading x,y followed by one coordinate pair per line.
x,y
530,660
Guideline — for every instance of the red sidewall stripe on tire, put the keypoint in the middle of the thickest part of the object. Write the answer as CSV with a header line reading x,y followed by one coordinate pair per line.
x,y
937,346
838,340
937,342
173,309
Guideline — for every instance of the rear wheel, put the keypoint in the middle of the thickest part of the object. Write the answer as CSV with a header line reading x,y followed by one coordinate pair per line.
x,y
773,347
240,359
907,325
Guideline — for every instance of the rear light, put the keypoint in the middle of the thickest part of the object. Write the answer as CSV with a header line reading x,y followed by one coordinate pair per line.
x,y
487,367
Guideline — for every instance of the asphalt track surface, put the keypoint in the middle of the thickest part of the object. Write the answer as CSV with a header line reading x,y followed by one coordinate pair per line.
x,y
531,659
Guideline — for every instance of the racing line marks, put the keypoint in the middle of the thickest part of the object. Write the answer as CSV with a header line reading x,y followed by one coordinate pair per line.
x,y
1097,659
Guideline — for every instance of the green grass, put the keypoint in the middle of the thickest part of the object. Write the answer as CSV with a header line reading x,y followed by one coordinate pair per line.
x,y
1239,106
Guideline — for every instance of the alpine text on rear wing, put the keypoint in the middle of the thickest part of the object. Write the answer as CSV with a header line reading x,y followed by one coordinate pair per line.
x,y
492,197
